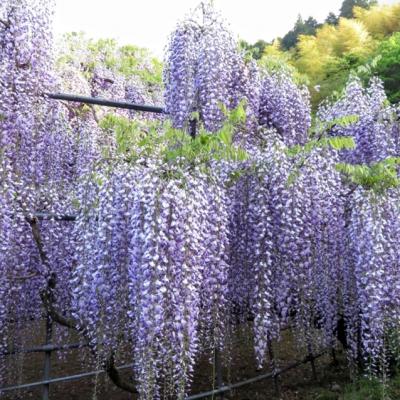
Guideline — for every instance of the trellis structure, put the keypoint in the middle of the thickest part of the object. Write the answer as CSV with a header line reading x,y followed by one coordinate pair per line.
x,y
48,348
219,391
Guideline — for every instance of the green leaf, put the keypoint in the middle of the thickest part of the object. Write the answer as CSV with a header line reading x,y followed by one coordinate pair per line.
x,y
378,177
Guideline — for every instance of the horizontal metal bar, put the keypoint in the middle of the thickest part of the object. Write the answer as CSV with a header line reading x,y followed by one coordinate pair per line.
x,y
269,375
55,217
203,395
46,347
58,380
55,347
106,103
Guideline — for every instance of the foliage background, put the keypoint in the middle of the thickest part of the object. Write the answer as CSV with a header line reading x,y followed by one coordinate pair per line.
x,y
362,40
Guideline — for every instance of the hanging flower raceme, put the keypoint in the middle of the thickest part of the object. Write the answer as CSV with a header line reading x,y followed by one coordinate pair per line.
x,y
372,276
266,194
241,277
214,289
214,72
326,213
99,286
40,166
7,283
165,277
204,71
371,227
180,72
374,131
22,275
296,220
151,271
286,107
34,132
24,73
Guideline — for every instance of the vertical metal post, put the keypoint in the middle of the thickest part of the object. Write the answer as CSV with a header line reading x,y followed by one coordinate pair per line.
x,y
333,354
312,360
47,358
193,127
273,367
218,371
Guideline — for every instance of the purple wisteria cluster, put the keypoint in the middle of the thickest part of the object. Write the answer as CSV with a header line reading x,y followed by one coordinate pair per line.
x,y
286,245
151,272
372,277
41,159
374,132
286,107
169,257
205,72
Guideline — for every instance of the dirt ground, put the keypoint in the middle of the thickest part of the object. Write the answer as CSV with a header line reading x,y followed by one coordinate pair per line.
x,y
296,384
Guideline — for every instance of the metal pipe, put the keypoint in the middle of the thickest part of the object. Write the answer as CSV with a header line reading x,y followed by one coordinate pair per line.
x,y
273,367
55,217
56,347
53,347
104,102
47,358
58,380
310,353
46,347
193,128
198,396
218,370
269,375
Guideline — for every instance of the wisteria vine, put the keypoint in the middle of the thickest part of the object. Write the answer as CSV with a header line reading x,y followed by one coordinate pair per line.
x,y
178,242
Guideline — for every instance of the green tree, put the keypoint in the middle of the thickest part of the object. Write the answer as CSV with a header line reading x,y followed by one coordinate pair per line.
x,y
307,27
388,66
256,50
346,10
380,21
332,19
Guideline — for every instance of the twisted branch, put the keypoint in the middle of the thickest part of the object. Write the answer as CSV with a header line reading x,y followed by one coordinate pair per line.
x,y
22,277
49,302
5,23
116,378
